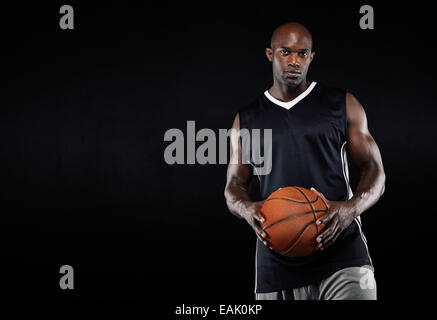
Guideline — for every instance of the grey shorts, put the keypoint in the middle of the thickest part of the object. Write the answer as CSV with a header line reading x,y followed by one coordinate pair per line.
x,y
354,283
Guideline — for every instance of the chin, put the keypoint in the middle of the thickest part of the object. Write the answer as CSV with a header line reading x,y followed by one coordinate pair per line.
x,y
293,82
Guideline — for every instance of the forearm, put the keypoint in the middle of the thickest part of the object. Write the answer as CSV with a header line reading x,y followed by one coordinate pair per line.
x,y
237,197
370,188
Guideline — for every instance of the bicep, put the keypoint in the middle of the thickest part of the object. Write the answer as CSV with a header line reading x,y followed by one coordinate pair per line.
x,y
237,172
362,147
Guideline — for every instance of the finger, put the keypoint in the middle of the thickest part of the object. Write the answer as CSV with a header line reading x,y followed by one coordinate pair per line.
x,y
267,244
256,222
326,218
257,217
329,243
260,239
327,239
260,210
328,231
259,231
262,235
260,216
264,241
326,201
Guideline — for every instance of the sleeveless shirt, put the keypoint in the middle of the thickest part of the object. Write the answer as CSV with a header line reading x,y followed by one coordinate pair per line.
x,y
308,149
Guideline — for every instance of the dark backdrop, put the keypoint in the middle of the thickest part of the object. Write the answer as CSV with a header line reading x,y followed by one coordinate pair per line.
x,y
82,123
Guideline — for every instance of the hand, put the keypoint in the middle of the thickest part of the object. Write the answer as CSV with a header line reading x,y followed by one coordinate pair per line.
x,y
253,215
339,216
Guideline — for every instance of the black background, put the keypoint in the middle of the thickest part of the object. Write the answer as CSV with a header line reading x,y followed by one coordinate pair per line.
x,y
83,117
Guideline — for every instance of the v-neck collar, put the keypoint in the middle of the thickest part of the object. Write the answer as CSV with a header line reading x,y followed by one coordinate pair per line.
x,y
287,105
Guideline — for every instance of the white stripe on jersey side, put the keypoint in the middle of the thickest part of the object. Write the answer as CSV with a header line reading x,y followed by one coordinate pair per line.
x,y
256,172
345,170
256,269
350,193
364,239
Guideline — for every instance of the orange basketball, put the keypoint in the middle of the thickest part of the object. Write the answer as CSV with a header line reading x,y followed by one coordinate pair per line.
x,y
290,220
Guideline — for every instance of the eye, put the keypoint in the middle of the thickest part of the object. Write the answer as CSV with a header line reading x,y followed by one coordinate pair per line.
x,y
284,51
304,53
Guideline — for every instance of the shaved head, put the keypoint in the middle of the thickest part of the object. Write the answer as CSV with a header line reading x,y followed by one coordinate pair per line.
x,y
291,31
291,53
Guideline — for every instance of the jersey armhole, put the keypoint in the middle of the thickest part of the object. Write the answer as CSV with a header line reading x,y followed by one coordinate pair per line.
x,y
344,107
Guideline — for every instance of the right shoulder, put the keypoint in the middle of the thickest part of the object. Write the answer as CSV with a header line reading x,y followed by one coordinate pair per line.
x,y
250,111
254,105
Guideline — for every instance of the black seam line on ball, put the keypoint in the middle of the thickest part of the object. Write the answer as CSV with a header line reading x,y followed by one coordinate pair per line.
x,y
311,206
290,217
297,201
297,238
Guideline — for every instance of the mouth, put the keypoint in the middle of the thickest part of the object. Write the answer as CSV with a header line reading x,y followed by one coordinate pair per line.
x,y
293,74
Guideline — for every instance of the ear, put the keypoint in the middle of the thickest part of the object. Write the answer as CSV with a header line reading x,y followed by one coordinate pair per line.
x,y
269,54
312,55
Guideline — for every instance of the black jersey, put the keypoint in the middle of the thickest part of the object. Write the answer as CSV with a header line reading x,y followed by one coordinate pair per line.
x,y
309,137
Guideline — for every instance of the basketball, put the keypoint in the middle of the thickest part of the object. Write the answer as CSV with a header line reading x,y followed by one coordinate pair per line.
x,y
290,220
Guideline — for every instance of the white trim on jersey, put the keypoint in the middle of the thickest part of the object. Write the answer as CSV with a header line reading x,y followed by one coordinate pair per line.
x,y
345,168
256,269
287,105
256,171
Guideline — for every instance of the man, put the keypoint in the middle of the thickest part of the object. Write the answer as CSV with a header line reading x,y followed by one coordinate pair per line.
x,y
312,124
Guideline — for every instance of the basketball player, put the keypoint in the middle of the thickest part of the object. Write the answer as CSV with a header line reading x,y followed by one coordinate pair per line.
x,y
312,125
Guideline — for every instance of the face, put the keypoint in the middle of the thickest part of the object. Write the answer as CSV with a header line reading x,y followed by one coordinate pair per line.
x,y
291,57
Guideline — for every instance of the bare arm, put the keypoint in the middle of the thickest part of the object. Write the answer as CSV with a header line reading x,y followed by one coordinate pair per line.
x,y
237,177
236,190
365,154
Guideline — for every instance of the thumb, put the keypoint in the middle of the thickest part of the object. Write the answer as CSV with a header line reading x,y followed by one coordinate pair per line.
x,y
326,201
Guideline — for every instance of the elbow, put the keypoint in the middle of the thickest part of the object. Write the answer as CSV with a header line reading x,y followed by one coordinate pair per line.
x,y
227,196
383,179
226,193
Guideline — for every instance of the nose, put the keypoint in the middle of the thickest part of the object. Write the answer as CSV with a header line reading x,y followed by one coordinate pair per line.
x,y
293,60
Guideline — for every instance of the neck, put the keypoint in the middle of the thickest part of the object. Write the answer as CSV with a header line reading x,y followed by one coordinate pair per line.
x,y
286,93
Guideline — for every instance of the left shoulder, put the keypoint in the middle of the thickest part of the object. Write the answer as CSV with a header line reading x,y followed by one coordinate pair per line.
x,y
331,95
330,89
352,100
354,111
